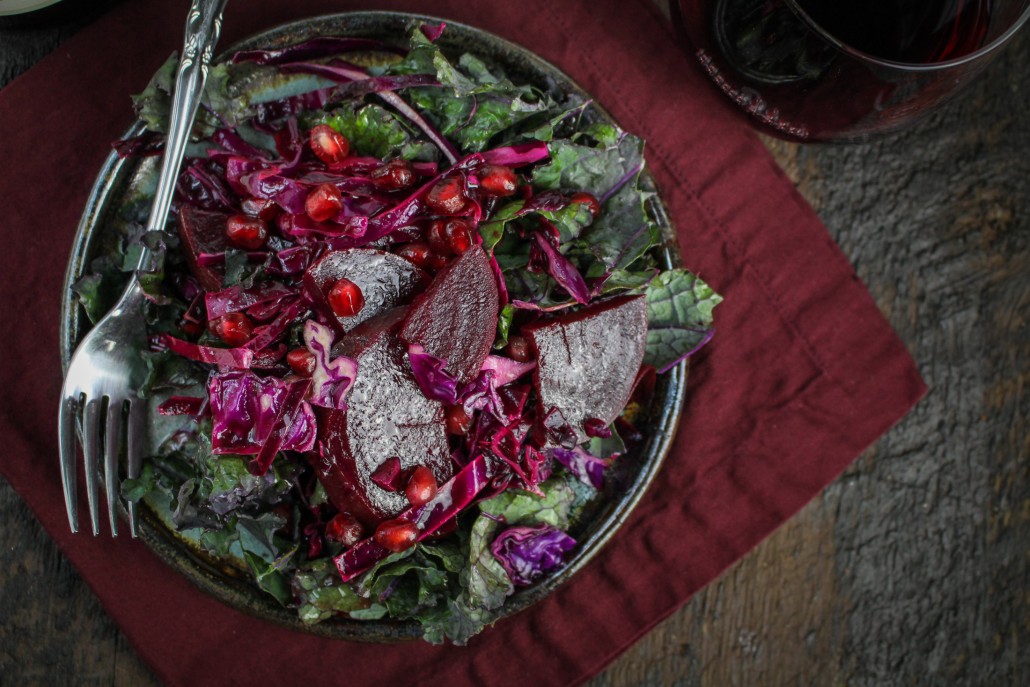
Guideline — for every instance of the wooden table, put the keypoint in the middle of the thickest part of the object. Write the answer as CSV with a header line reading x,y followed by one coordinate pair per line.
x,y
913,568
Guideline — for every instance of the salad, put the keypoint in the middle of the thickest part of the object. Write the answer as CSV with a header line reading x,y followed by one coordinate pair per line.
x,y
402,323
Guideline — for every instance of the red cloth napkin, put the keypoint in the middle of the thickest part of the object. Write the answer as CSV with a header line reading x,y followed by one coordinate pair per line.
x,y
803,374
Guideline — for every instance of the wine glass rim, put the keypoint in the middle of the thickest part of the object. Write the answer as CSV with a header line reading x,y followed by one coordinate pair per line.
x,y
915,66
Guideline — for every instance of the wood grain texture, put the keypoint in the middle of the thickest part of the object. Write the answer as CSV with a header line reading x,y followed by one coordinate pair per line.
x,y
913,568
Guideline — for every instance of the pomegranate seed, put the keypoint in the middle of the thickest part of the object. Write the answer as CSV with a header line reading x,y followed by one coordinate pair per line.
x,y
518,348
588,199
328,144
435,236
267,358
449,236
394,175
458,421
285,143
416,252
421,486
436,262
323,202
234,329
345,529
396,535
497,180
447,197
246,232
458,235
261,208
301,361
345,298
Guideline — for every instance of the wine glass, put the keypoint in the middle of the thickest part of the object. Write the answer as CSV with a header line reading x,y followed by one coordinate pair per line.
x,y
843,70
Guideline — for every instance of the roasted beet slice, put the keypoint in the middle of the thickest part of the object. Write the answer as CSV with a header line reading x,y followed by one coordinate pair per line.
x,y
456,317
587,361
385,280
203,231
387,415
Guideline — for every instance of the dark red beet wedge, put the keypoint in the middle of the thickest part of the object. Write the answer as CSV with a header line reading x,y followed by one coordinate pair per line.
x,y
587,361
385,280
387,416
203,232
456,317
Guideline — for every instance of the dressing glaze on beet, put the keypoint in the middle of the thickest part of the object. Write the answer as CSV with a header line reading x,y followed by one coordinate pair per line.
x,y
587,360
456,317
387,416
385,280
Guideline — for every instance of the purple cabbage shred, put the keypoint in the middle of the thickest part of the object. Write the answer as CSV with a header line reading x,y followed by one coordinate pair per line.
x,y
332,378
529,553
435,382
245,409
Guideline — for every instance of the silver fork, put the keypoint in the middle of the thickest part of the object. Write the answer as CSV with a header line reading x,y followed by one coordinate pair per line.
x,y
106,371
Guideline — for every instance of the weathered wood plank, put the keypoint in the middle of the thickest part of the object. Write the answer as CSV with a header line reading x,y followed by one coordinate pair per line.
x,y
929,533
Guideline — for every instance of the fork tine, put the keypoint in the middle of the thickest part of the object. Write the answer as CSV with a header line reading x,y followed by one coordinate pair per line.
x,y
69,454
91,450
135,456
112,447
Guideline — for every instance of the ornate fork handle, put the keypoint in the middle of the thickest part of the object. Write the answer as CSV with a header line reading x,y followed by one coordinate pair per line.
x,y
203,24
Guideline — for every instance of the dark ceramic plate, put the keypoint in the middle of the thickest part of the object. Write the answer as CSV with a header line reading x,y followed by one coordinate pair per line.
x,y
123,181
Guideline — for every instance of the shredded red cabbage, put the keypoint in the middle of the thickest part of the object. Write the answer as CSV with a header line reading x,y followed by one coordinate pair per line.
x,y
333,378
505,369
528,553
562,269
323,46
238,299
516,155
581,463
224,358
435,382
247,409
294,427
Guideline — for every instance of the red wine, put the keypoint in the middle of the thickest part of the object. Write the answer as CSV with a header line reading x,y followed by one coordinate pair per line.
x,y
914,31
781,61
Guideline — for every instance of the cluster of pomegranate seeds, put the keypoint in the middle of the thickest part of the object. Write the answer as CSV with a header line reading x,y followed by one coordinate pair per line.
x,y
301,361
497,180
234,329
588,199
246,232
344,529
345,298
449,236
445,234
328,144
323,203
396,535
447,197
393,175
